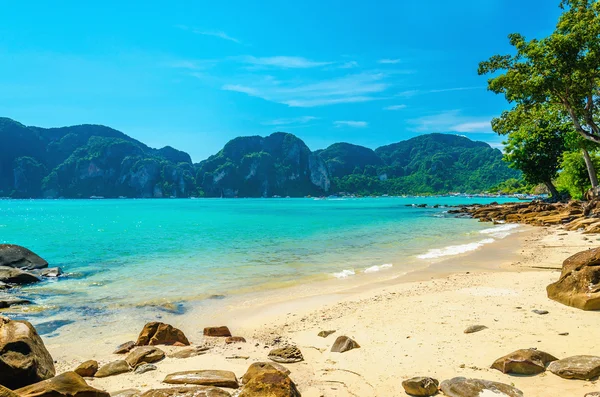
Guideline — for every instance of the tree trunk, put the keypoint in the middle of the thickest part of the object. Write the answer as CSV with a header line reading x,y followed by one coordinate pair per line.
x,y
590,168
553,192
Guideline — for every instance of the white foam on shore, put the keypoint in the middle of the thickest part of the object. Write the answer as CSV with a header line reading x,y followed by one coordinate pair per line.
x,y
344,273
376,268
500,231
454,249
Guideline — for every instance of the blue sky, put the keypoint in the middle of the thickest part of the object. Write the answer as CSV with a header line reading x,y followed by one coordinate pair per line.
x,y
194,74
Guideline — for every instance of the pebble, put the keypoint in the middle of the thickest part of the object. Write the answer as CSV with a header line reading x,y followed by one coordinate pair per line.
x,y
536,311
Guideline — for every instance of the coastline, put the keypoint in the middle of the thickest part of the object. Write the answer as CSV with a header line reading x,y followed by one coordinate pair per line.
x,y
407,326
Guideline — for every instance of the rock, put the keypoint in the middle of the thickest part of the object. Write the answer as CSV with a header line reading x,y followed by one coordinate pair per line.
x,y
576,367
234,339
524,362
192,391
464,387
421,386
68,384
124,347
217,331
204,378
541,312
143,368
4,392
288,354
474,328
20,257
579,282
24,359
51,272
4,286
593,394
271,384
261,367
10,301
144,354
343,344
126,393
87,369
190,352
156,333
113,368
17,276
325,334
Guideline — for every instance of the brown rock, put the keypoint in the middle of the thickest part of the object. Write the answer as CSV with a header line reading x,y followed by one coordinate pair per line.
x,y
222,331
524,362
343,344
234,339
20,257
204,378
113,368
126,393
286,355
124,347
464,387
192,391
259,368
4,392
156,333
144,354
87,369
17,276
190,352
421,386
325,334
24,359
474,328
270,384
576,367
68,384
593,394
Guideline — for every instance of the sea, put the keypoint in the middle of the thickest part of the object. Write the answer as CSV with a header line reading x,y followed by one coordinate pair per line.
x,y
127,255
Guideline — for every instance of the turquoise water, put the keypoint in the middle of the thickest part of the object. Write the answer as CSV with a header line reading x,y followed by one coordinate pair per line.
x,y
138,253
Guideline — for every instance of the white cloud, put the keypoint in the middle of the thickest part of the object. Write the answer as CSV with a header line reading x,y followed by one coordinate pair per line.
x,y
348,65
240,88
295,120
472,126
214,33
350,123
394,107
285,62
389,61
410,93
451,121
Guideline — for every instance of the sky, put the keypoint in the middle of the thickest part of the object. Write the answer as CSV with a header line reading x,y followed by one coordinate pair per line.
x,y
195,74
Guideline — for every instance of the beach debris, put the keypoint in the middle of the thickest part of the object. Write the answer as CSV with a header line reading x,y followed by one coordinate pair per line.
x,y
576,367
157,333
124,347
51,272
13,275
24,359
143,368
270,383
262,367
465,387
221,331
113,368
209,377
325,334
87,368
189,352
144,354
421,386
20,257
474,328
64,385
286,355
343,344
235,339
578,284
540,312
126,393
187,391
524,362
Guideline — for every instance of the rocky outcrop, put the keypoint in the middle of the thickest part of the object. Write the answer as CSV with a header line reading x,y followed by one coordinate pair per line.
x,y
68,384
421,386
576,367
579,282
191,391
157,333
221,331
113,368
144,354
286,355
13,275
87,368
24,359
524,362
272,384
464,387
208,377
20,257
343,344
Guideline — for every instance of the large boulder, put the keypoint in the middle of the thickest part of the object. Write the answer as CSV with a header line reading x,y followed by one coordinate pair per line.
x,y
579,282
524,362
20,257
464,387
144,354
187,391
68,384
24,359
576,367
13,275
270,384
157,333
209,377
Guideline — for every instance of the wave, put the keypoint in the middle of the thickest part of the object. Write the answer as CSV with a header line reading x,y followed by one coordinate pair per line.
x,y
376,268
454,249
344,273
501,231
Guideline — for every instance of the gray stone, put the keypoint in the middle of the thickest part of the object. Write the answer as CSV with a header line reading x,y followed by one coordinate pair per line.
x,y
464,387
143,368
20,257
343,344
576,367
13,275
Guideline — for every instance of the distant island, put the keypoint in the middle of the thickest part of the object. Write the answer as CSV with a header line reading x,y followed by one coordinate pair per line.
x,y
97,161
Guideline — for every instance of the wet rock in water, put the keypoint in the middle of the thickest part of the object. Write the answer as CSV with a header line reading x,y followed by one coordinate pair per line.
x,y
325,334
144,354
124,347
68,384
259,368
524,362
272,384
24,359
203,378
465,387
13,275
576,367
474,328
157,333
288,354
579,282
10,301
541,312
51,272
4,286
189,391
189,352
20,257
222,331
113,368
143,368
343,344
235,339
87,369
126,393
4,392
421,386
